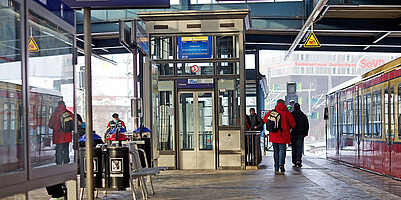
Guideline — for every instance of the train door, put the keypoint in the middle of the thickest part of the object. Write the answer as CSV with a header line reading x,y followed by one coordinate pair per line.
x,y
196,125
389,125
395,165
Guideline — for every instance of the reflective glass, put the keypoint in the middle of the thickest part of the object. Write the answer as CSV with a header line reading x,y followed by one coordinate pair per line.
x,y
166,69
229,102
166,120
195,69
11,137
205,121
161,48
228,68
186,112
227,46
51,93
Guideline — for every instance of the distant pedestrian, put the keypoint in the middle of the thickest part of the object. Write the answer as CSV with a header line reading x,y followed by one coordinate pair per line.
x,y
255,121
61,121
115,123
298,133
278,122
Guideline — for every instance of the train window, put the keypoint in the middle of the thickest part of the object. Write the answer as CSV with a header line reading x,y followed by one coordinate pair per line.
x,y
344,117
392,114
399,111
5,116
12,117
367,115
350,119
377,113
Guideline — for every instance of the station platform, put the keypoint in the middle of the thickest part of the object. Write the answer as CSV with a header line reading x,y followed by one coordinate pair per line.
x,y
317,179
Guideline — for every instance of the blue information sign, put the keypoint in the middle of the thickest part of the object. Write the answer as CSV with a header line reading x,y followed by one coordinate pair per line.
x,y
123,4
194,47
194,83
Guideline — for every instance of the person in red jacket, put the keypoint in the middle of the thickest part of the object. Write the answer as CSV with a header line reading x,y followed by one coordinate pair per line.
x,y
281,137
61,139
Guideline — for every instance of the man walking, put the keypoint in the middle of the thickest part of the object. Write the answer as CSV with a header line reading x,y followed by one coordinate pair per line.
x,y
297,135
279,121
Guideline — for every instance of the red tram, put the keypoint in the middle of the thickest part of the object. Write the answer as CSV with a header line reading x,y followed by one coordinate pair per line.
x,y
364,121
42,104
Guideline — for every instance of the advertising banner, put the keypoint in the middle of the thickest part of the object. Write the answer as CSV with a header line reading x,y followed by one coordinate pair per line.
x,y
194,47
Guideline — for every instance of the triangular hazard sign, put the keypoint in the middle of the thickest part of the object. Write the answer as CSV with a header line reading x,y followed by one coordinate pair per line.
x,y
312,41
32,46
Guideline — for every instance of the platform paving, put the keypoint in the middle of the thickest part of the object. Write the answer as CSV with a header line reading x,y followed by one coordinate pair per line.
x,y
317,179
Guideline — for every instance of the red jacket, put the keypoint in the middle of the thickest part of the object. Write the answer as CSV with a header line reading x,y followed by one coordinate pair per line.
x,y
287,123
54,123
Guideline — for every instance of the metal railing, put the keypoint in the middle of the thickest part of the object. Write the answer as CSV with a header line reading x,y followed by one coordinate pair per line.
x,y
253,153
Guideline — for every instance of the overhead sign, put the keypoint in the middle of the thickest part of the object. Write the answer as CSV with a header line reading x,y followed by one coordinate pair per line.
x,y
139,35
194,47
110,4
312,41
195,68
194,83
32,46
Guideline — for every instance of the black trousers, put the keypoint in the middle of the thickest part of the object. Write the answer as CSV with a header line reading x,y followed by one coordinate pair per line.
x,y
297,144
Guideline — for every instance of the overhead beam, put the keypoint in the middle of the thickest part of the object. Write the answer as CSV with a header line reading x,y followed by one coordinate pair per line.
x,y
377,38
315,13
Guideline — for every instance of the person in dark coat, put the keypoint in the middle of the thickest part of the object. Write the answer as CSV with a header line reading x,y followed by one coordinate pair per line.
x,y
282,137
255,121
81,126
298,133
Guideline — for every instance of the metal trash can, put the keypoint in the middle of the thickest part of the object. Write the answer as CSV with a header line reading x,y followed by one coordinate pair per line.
x,y
117,168
97,167
146,148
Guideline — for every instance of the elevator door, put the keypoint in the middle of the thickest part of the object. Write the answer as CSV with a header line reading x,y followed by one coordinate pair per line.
x,y
196,123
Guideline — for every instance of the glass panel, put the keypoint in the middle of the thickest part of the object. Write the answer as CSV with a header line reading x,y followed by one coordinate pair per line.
x,y
228,68
195,69
187,121
166,69
227,46
229,102
51,86
11,140
367,115
377,112
161,48
205,121
166,120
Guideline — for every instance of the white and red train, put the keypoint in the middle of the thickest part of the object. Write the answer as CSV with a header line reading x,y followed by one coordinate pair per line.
x,y
42,103
364,121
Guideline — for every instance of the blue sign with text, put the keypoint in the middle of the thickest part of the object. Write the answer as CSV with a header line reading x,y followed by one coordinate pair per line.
x,y
194,47
123,4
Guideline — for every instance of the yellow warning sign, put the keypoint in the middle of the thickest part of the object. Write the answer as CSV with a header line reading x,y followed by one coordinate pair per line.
x,y
32,46
312,41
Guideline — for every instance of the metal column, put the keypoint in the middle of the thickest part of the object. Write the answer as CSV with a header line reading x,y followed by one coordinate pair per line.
x,y
88,103
135,77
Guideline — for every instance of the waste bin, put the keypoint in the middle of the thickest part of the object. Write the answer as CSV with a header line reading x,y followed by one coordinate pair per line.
x,y
117,168
146,148
97,167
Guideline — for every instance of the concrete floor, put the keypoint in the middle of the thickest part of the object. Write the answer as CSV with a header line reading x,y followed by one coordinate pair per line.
x,y
317,179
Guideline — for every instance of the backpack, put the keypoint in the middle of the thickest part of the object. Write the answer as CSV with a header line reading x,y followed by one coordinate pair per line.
x,y
66,122
273,123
